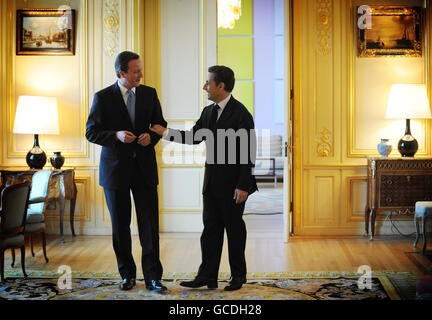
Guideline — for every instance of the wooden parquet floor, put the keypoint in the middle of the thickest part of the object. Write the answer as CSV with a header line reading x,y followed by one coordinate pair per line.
x,y
180,252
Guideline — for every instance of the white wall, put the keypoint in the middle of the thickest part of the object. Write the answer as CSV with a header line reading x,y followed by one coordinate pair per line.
x,y
188,48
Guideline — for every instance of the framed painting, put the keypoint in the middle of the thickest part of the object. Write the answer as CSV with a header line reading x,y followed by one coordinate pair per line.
x,y
391,31
45,32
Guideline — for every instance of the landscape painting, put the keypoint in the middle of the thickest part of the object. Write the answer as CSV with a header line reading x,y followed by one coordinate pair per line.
x,y
395,31
45,31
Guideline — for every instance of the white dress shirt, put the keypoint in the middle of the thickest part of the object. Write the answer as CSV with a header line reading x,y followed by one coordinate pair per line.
x,y
222,104
124,91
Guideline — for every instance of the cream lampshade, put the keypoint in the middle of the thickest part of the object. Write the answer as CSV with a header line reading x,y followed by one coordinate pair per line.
x,y
36,115
408,101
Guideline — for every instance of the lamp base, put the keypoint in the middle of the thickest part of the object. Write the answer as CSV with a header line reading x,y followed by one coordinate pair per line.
x,y
408,146
36,157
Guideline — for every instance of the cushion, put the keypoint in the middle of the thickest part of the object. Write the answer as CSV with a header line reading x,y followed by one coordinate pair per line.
x,y
279,162
14,241
264,166
34,218
39,186
32,227
423,207
269,146
35,208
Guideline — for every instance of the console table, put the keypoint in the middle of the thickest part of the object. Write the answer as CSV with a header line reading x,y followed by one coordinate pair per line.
x,y
396,184
62,187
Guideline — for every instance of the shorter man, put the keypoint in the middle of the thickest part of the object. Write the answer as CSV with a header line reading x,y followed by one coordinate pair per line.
x,y
228,181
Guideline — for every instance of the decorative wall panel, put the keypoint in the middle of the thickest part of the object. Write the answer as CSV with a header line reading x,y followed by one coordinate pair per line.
x,y
339,110
181,189
111,23
104,28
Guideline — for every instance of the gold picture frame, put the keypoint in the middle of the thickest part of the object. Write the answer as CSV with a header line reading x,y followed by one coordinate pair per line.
x,y
393,31
45,32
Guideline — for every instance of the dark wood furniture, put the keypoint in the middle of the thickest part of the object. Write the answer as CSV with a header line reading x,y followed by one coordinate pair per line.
x,y
395,184
14,202
62,187
267,172
423,211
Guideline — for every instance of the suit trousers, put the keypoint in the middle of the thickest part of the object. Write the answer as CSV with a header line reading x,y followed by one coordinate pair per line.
x,y
146,205
222,213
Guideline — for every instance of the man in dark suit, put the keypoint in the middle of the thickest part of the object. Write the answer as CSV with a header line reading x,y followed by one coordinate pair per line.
x,y
119,121
228,129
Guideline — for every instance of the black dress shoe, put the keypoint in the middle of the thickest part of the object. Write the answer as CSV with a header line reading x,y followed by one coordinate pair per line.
x,y
155,285
197,283
235,283
127,283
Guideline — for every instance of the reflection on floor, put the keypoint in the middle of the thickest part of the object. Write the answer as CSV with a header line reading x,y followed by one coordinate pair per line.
x,y
263,210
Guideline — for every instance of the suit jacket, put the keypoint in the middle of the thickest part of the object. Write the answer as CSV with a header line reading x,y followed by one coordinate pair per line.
x,y
230,174
107,116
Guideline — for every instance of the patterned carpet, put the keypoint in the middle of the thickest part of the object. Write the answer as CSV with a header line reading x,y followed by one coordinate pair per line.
x,y
386,285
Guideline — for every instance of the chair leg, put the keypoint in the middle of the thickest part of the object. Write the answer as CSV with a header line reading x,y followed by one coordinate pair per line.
x,y
2,265
72,213
13,257
23,260
417,231
44,246
31,244
424,234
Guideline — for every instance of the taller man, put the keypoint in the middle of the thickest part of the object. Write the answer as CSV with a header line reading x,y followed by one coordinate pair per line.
x,y
119,121
228,128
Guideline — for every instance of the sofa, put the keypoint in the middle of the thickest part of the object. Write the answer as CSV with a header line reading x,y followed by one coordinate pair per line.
x,y
270,161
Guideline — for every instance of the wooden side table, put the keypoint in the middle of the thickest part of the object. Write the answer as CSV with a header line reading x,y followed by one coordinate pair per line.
x,y
62,187
395,184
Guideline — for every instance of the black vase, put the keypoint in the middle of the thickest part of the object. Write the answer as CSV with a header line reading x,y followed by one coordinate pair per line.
x,y
58,160
36,157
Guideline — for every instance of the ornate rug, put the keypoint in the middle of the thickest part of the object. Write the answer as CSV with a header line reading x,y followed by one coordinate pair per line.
x,y
44,285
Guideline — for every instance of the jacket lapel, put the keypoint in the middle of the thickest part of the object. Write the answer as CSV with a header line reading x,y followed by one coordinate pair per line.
x,y
226,113
120,102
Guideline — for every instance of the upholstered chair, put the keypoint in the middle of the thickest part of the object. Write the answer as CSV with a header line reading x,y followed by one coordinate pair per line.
x,y
35,222
423,211
14,200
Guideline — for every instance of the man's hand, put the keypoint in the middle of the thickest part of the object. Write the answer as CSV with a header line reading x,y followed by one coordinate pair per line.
x,y
144,139
240,196
158,129
125,136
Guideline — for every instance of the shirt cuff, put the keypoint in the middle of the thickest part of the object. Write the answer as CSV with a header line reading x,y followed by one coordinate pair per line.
x,y
165,134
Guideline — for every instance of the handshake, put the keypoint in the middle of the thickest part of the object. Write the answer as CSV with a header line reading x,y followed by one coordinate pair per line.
x,y
143,140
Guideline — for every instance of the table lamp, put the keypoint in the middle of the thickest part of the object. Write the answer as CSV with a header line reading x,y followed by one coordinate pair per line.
x,y
36,115
408,101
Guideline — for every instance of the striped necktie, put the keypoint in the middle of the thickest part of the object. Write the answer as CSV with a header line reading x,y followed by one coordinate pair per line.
x,y
131,106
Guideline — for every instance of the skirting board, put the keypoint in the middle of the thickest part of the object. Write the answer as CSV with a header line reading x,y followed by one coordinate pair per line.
x,y
192,222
